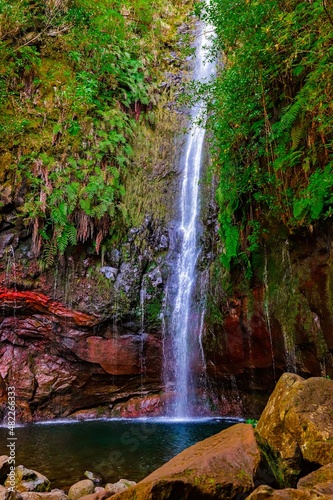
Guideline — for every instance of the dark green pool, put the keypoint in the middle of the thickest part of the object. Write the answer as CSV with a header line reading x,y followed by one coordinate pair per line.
x,y
115,449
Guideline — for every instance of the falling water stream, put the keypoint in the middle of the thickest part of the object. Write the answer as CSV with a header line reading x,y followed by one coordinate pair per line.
x,y
181,326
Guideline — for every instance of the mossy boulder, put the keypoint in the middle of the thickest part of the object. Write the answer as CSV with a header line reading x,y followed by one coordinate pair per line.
x,y
295,430
264,492
320,481
222,466
50,495
29,480
81,489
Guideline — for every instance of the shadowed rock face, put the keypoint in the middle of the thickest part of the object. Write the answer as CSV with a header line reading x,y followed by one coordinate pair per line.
x,y
62,361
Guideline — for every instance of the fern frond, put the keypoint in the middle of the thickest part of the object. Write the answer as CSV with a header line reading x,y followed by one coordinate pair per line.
x,y
62,240
72,234
296,133
289,117
49,253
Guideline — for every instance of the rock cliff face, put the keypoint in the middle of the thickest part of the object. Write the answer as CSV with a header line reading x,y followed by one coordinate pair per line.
x,y
280,320
61,361
85,337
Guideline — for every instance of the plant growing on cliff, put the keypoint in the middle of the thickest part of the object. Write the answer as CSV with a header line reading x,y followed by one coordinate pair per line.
x,y
271,118
76,79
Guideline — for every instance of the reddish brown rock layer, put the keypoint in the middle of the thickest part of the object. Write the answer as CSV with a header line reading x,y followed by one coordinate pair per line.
x,y
282,322
32,302
62,361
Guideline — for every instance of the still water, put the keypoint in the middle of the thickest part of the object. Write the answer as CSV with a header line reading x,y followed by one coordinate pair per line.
x,y
115,449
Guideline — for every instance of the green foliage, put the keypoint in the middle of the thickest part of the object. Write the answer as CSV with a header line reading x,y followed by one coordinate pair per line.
x,y
271,118
316,199
76,78
252,421
153,310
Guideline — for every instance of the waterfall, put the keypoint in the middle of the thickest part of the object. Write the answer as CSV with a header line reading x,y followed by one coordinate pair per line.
x,y
183,345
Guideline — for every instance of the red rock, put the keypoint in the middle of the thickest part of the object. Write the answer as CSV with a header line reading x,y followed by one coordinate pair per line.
x,y
36,302
121,355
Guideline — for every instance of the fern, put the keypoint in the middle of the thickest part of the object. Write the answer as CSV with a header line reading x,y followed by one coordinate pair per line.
x,y
49,253
289,117
71,193
59,214
297,133
62,240
72,234
230,237
318,194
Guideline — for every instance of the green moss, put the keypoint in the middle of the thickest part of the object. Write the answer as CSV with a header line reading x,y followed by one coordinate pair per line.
x,y
273,461
153,309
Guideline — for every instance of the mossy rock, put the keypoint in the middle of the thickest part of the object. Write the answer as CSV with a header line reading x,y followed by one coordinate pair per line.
x,y
29,480
295,430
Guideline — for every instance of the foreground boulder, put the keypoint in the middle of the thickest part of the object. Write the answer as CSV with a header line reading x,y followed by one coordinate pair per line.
x,y
264,492
121,485
29,480
222,466
295,430
81,489
50,495
320,481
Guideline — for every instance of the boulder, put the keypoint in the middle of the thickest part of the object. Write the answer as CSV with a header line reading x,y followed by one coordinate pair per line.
x,y
4,468
320,480
29,480
51,495
9,495
121,485
221,466
81,489
295,430
263,492
98,495
95,478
